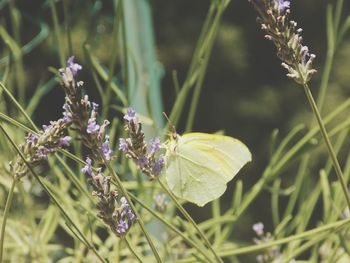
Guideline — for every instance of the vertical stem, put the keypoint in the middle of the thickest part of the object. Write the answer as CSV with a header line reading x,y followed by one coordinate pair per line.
x,y
328,143
190,219
67,26
132,250
3,226
57,33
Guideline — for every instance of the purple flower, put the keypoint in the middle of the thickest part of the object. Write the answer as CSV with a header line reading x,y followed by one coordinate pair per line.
x,y
31,138
131,216
130,116
283,5
92,126
127,210
124,203
74,67
142,161
106,150
122,227
155,145
47,127
95,107
65,141
43,152
123,145
87,169
158,166
67,116
258,228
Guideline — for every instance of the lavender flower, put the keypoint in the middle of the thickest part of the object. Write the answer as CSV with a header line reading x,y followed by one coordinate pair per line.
x,y
274,20
135,146
155,145
126,210
47,127
31,138
37,147
95,107
65,141
258,228
158,166
114,212
122,227
74,67
142,161
106,150
271,254
283,5
87,169
43,152
92,126
130,116
123,145
67,116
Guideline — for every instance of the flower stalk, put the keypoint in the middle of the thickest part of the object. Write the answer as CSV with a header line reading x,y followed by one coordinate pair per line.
x,y
274,20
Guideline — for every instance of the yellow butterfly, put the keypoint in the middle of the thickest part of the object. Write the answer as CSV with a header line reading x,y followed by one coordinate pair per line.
x,y
199,165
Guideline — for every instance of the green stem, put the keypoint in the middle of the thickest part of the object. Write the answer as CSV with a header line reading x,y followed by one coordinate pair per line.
x,y
190,219
231,251
328,143
173,228
3,226
204,64
139,220
18,106
57,33
336,226
132,250
67,26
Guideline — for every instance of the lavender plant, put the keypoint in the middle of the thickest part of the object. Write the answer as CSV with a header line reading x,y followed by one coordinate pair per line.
x,y
274,17
38,147
101,208
135,147
114,209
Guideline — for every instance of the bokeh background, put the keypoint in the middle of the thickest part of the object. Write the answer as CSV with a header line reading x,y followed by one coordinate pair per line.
x,y
245,91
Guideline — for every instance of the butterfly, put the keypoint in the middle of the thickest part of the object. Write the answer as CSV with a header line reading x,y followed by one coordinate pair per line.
x,y
199,165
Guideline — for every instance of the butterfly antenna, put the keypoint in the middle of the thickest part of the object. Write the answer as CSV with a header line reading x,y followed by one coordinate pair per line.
x,y
172,126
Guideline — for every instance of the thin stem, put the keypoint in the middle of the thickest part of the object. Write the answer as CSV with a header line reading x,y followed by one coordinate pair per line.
x,y
18,106
328,143
190,219
172,227
132,249
231,251
199,81
4,219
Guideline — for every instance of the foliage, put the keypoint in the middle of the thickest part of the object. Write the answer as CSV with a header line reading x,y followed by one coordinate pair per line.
x,y
85,190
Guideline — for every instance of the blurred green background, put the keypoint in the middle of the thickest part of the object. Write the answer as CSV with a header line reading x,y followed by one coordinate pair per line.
x,y
245,91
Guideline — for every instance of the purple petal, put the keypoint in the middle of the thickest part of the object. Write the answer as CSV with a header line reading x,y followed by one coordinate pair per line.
x,y
74,67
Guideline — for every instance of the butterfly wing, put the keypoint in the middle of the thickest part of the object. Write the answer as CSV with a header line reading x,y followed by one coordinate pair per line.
x,y
200,165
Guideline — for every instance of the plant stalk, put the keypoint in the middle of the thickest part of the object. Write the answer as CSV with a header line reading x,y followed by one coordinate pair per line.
x,y
190,219
328,143
3,225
